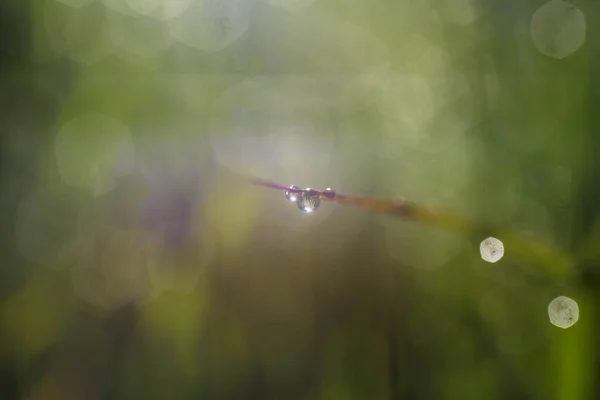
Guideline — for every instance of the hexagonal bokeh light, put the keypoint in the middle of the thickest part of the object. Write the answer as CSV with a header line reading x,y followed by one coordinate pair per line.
x,y
563,312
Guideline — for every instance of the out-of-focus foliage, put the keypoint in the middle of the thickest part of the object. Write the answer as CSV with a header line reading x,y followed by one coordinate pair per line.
x,y
138,261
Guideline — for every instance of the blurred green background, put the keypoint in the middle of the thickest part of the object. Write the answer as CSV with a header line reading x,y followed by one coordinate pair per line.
x,y
138,260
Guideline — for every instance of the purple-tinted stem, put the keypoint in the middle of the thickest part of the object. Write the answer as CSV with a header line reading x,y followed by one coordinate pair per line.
x,y
287,188
396,208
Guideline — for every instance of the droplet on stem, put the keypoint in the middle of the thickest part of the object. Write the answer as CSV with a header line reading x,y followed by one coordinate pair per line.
x,y
308,202
292,196
329,193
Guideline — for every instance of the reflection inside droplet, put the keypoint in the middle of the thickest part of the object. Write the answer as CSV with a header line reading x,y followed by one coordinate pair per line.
x,y
307,202
292,196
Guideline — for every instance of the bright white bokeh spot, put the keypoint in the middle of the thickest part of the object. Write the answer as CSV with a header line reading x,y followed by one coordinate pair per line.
x,y
491,249
93,152
211,25
563,312
558,29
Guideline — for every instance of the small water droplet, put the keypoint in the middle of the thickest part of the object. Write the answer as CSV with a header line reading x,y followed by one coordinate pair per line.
x,y
329,193
292,196
307,202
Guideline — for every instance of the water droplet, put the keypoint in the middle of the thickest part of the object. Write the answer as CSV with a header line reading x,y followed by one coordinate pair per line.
x,y
491,249
292,196
563,312
307,202
329,193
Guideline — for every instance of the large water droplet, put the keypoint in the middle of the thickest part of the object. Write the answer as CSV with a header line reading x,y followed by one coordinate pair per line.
x,y
307,202
292,196
491,249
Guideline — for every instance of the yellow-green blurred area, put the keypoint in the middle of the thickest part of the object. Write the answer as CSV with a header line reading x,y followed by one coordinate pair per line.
x,y
138,260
